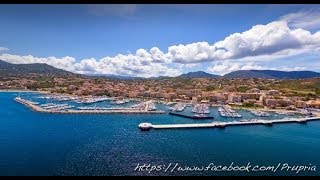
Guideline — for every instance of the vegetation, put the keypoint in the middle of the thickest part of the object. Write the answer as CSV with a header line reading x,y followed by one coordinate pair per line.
x,y
242,88
249,105
210,88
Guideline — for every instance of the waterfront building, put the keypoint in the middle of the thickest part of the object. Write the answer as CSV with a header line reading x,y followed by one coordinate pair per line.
x,y
170,96
313,103
271,103
300,104
273,92
194,99
252,101
254,90
284,102
245,96
133,94
234,98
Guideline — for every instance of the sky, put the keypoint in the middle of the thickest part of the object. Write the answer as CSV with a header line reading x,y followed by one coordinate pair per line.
x,y
147,40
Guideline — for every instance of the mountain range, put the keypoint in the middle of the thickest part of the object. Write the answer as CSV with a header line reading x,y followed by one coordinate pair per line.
x,y
199,74
271,74
8,69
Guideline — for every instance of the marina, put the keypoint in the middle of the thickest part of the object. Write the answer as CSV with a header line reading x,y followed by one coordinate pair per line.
x,y
58,97
64,109
91,100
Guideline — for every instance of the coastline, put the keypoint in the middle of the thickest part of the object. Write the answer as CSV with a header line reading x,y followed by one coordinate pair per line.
x,y
137,99
264,109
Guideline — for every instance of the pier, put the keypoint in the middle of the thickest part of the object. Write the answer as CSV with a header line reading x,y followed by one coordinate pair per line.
x,y
192,117
148,126
226,111
68,111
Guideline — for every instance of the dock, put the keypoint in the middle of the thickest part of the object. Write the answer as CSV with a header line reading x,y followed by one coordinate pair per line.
x,y
226,111
68,111
218,124
192,117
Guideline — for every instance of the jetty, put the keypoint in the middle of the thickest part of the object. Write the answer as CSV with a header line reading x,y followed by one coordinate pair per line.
x,y
218,124
226,111
196,116
178,107
36,108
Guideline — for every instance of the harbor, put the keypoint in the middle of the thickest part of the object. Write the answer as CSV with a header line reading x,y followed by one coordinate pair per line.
x,y
218,124
64,108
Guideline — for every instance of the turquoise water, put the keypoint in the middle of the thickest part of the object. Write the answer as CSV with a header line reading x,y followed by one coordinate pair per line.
x,y
34,143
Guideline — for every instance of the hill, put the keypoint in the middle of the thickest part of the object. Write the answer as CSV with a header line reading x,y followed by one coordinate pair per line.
x,y
199,74
41,69
270,74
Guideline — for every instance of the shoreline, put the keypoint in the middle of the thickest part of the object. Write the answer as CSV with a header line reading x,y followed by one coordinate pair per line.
x,y
138,99
264,109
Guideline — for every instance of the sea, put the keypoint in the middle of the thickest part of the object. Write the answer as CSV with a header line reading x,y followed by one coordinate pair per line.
x,y
42,144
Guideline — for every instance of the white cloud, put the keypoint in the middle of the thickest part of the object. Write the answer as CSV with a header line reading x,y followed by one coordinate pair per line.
x,y
139,64
289,68
275,40
225,67
192,65
261,40
304,19
191,53
4,49
66,62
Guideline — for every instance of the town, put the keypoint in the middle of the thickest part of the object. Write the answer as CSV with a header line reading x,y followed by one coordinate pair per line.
x,y
237,92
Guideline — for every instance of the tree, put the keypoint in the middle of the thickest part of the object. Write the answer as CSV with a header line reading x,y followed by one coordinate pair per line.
x,y
210,88
317,91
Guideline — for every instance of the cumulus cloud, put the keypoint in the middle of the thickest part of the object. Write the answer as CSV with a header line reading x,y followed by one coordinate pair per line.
x,y
4,49
261,40
304,19
139,64
279,39
225,67
66,62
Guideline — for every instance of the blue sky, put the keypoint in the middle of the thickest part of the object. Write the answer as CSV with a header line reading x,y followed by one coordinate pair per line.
x,y
89,38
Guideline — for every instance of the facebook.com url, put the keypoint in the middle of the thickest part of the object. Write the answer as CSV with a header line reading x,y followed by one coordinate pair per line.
x,y
232,167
